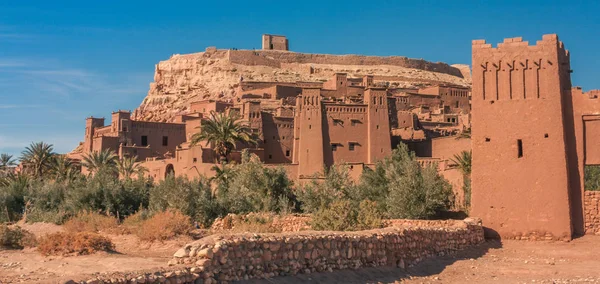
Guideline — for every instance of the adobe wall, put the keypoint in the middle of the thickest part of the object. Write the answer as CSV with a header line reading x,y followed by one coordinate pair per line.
x,y
351,59
251,58
592,212
446,147
247,256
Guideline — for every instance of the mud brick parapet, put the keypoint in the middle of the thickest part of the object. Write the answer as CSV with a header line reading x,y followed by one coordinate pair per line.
x,y
592,213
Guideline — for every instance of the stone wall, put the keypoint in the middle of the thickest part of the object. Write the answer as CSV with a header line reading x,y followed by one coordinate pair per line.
x,y
592,212
244,256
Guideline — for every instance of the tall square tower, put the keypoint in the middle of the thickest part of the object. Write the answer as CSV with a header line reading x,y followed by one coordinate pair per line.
x,y
520,177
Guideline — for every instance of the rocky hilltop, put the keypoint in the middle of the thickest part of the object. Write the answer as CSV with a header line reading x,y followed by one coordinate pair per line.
x,y
216,74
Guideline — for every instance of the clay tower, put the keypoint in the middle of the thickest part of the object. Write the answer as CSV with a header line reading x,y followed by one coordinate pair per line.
x,y
520,178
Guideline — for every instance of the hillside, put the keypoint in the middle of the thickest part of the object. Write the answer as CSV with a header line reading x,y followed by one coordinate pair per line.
x,y
215,74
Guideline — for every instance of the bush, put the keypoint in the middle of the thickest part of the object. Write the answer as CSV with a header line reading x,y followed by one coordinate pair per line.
x,y
338,216
407,189
369,216
253,187
164,225
15,237
192,198
91,222
68,243
319,194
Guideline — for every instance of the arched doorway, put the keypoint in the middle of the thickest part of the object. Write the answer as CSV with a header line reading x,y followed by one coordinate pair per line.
x,y
170,170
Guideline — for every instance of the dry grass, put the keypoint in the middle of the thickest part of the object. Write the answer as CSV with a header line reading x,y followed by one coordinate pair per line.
x,y
133,222
91,222
253,222
164,225
70,243
15,237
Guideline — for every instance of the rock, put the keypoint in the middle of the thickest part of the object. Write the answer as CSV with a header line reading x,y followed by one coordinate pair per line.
x,y
182,252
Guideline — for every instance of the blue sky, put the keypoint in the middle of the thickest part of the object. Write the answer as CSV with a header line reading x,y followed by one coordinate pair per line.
x,y
61,61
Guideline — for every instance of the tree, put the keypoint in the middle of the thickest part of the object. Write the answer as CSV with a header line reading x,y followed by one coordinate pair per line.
x,y
413,191
128,166
38,158
463,160
63,168
105,160
6,161
223,131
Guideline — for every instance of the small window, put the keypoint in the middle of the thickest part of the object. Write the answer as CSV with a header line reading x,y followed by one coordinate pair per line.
x,y
487,139
520,148
287,153
124,128
270,156
456,105
334,147
144,140
165,140
282,137
309,126
351,146
377,126
546,135
194,160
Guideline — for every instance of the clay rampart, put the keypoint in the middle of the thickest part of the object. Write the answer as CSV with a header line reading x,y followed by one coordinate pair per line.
x,y
592,212
276,58
251,58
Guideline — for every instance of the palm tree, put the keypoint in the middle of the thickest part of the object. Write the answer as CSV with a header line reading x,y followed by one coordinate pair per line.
x,y
38,158
463,160
103,160
223,131
466,134
6,161
128,166
222,177
63,168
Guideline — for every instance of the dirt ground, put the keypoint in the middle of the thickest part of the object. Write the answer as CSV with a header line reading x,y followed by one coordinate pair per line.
x,y
577,261
28,266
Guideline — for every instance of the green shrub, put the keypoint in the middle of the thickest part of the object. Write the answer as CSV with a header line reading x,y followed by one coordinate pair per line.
x,y
369,216
253,187
336,185
591,177
340,215
15,237
413,192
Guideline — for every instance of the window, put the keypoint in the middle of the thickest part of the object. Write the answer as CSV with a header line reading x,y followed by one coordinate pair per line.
x,y
287,153
351,146
270,156
334,147
144,140
520,148
124,128
456,105
546,135
194,160
165,141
